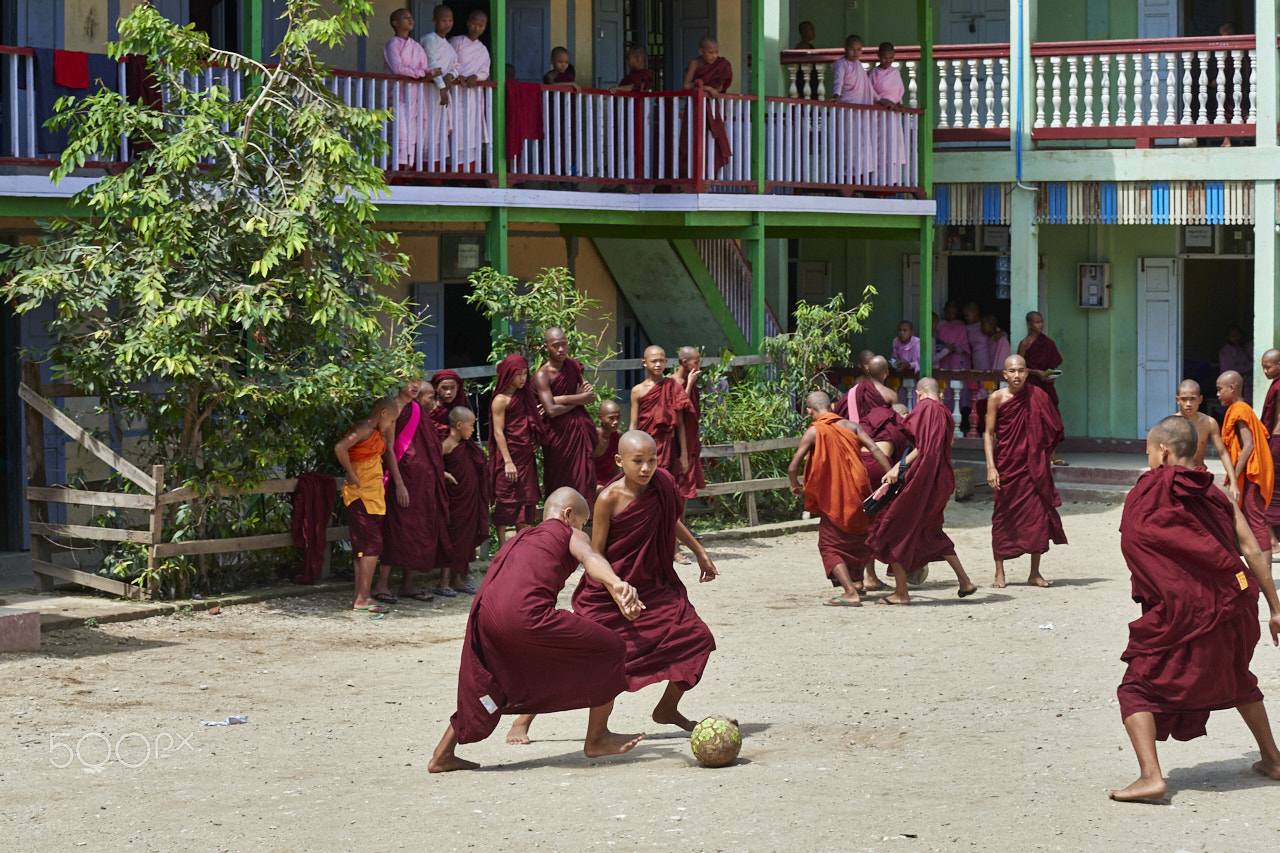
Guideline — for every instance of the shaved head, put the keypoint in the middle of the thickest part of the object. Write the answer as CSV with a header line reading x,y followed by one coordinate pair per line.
x,y
688,352
1190,386
928,386
555,333
1271,356
1178,434
878,368
819,401
460,414
636,440
901,409
1232,380
864,357
708,41
565,497
1014,361
654,350
609,407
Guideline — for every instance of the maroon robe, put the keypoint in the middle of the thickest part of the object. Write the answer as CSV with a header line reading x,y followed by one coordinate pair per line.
x,y
468,504
440,414
1189,652
690,482
718,74
523,655
878,420
659,409
1270,408
909,530
1043,355
640,80
571,439
417,536
514,502
1024,519
606,465
668,642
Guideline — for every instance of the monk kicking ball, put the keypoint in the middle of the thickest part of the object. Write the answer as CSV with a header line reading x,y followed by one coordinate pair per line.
x,y
522,653
1189,652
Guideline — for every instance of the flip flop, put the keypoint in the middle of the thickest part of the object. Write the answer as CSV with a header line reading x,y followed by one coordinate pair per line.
x,y
379,611
886,600
843,602
681,560
444,592
418,595
468,589
964,594
385,597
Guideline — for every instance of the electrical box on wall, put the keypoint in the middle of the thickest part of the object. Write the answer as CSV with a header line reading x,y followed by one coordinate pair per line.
x,y
1094,285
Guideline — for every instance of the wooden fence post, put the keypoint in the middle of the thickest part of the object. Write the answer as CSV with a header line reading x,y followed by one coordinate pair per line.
x,y
41,550
157,531
744,462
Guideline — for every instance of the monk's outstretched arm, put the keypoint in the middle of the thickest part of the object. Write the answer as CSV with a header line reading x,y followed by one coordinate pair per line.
x,y
1221,450
989,442
1245,437
598,568
709,570
1260,568
797,462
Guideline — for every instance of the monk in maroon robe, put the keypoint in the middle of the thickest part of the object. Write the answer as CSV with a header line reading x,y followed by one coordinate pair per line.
x,y
515,432
1025,517
415,533
687,373
521,654
1189,651
712,73
450,392
658,405
908,533
874,401
1041,355
1271,420
571,433
606,449
468,492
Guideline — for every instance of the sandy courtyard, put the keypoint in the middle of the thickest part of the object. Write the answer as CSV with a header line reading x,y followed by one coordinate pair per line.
x,y
984,724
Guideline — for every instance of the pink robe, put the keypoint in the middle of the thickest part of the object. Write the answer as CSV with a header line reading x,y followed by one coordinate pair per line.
x,y
437,120
979,351
406,58
470,120
999,351
851,85
887,83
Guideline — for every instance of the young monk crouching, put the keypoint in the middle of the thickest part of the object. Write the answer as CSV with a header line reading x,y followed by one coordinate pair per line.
x,y
1189,652
524,654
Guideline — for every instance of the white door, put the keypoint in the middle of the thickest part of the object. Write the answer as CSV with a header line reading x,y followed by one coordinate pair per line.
x,y
610,61
911,287
1159,339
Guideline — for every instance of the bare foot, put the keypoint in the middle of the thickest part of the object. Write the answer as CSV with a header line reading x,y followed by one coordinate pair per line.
x,y
999,582
1271,771
519,734
610,744
873,587
1143,789
665,717
1040,581
447,763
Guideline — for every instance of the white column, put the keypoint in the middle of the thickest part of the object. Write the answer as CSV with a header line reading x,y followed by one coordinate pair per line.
x,y
1024,261
1266,281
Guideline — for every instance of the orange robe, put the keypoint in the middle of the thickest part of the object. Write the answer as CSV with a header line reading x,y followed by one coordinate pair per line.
x,y
1259,473
835,485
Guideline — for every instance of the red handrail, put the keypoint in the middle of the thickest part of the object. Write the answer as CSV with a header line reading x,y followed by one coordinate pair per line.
x,y
1114,46
903,53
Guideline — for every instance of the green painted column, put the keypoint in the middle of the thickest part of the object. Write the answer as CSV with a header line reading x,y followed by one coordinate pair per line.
x,y
760,60
927,100
1266,255
252,20
759,279
498,66
495,249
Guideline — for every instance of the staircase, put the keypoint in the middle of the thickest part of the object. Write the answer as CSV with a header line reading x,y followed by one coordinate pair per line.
x,y
731,272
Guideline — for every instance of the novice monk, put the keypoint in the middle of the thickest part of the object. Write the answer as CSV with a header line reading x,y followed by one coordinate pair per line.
x,y
607,435
562,72
638,77
522,654
712,73
1025,517
881,421
571,434
637,522
416,530
1189,399
908,533
515,431
1189,652
835,485
1249,447
847,406
360,454
1271,421
658,407
468,492
450,393
687,373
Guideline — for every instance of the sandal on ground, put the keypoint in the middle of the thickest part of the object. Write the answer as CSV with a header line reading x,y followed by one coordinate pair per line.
x,y
385,597
444,592
841,601
468,589
681,560
418,595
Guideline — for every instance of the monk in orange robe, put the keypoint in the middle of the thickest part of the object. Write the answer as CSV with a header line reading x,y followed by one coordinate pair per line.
x,y
835,485
1249,446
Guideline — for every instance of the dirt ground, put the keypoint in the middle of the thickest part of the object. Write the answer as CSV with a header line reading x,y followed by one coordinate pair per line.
x,y
984,724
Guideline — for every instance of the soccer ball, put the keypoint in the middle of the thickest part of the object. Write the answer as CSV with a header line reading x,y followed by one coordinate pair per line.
x,y
716,741
917,578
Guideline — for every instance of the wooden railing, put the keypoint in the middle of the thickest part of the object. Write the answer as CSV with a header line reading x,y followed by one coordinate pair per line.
x,y
748,485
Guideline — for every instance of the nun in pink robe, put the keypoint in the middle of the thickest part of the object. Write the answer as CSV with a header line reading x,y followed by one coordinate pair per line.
x,y
951,333
437,120
404,57
470,124
851,85
892,148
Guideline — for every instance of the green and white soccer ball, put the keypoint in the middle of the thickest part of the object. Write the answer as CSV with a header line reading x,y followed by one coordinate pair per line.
x,y
716,741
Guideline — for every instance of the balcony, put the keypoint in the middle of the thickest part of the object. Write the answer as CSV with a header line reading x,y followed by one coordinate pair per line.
x,y
563,138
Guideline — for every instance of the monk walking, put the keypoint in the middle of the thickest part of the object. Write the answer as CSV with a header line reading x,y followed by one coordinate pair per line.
x,y
515,431
1249,448
1189,399
1043,361
1189,651
888,430
847,406
571,434
658,407
1025,517
835,485
606,449
468,492
908,533
636,525
1271,420
522,654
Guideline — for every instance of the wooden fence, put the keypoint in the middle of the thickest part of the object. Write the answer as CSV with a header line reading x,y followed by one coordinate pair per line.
x,y
747,485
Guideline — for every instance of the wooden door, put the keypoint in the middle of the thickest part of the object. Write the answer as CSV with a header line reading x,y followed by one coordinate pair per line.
x,y
1159,339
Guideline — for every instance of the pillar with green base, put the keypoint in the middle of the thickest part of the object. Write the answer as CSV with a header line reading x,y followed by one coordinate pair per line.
x,y
252,17
495,250
498,73
924,30
756,257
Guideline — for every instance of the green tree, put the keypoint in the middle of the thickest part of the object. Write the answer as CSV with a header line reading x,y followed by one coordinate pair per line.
x,y
236,259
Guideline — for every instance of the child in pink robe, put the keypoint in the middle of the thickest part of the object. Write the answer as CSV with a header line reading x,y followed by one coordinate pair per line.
x,y
887,82
404,57
851,85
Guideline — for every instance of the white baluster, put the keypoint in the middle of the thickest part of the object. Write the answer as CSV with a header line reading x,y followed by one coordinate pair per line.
x,y
974,119
1153,91
944,106
1004,92
1088,92
1073,90
988,66
1187,58
1122,92
1252,117
957,94
793,88
1202,95
1137,90
1171,88
913,85
1039,60
1056,62
1220,86
1237,94
1104,90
